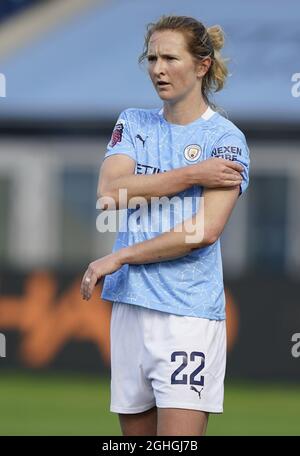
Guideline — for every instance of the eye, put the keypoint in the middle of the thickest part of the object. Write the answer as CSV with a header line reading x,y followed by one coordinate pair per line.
x,y
151,58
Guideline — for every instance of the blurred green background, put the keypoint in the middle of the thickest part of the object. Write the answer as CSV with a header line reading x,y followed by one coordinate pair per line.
x,y
79,405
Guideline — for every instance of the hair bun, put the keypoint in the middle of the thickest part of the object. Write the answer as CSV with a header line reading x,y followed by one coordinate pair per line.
x,y
216,36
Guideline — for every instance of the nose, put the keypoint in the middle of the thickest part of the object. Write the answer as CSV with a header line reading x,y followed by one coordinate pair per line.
x,y
158,67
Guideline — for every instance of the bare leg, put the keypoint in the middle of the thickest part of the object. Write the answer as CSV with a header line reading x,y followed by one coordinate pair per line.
x,y
144,423
174,421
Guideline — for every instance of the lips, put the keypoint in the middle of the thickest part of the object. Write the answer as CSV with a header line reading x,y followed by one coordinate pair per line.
x,y
162,83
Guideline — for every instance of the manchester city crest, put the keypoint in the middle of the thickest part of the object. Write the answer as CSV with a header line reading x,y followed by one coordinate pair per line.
x,y
192,152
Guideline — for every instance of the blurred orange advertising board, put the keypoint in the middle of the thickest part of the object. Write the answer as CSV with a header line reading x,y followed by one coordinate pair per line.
x,y
47,318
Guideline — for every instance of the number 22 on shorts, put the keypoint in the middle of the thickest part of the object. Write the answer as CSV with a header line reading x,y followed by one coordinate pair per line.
x,y
184,379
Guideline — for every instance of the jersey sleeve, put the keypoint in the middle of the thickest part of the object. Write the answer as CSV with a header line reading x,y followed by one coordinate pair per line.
x,y
233,146
121,140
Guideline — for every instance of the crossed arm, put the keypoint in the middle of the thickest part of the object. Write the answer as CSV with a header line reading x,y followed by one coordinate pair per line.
x,y
215,211
117,173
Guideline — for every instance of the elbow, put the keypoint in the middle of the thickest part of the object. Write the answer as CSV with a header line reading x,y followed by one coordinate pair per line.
x,y
107,198
104,193
210,240
204,239
210,237
104,190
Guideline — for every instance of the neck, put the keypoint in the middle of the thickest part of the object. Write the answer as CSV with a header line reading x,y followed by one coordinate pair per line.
x,y
183,112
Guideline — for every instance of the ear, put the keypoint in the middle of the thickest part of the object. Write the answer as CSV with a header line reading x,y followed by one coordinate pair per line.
x,y
203,66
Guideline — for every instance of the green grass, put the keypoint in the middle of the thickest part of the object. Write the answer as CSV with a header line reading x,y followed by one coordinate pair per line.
x,y
77,405
258,409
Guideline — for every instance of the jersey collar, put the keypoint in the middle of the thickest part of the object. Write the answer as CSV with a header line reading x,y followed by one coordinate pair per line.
x,y
206,115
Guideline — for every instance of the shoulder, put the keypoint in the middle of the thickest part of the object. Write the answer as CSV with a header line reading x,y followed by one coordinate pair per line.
x,y
228,141
225,128
140,116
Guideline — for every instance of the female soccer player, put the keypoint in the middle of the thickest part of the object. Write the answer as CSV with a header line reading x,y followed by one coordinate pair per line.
x,y
168,337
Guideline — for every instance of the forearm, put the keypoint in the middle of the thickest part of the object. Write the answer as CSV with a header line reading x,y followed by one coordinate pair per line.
x,y
124,188
189,235
171,245
168,246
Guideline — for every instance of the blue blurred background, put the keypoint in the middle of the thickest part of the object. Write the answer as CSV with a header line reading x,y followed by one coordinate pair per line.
x,y
67,69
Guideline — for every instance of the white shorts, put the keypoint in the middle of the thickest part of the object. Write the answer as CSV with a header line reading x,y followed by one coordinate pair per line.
x,y
165,360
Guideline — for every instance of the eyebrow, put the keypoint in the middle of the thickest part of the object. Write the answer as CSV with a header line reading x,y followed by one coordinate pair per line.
x,y
163,55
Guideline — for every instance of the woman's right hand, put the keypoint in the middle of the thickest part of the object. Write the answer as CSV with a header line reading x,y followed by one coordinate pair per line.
x,y
217,172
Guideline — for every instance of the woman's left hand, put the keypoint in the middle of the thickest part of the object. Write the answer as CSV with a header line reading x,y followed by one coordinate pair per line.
x,y
96,270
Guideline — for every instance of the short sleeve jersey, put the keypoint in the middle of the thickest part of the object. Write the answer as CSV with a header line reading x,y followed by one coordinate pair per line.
x,y
191,285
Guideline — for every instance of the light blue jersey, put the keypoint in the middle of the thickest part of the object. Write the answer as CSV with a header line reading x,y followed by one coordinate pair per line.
x,y
191,285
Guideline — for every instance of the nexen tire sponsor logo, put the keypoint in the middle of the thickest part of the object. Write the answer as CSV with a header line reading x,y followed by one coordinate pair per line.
x,y
227,152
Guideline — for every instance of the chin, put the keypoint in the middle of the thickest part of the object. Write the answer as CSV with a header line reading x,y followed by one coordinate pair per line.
x,y
165,96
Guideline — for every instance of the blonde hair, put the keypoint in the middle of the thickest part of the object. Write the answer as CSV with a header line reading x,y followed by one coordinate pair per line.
x,y
201,42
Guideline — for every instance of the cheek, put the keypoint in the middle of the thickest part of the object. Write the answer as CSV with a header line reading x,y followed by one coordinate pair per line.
x,y
150,73
178,74
183,74
183,78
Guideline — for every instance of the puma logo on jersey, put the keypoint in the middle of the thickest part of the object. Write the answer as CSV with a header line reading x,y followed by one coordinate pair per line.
x,y
195,389
141,139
